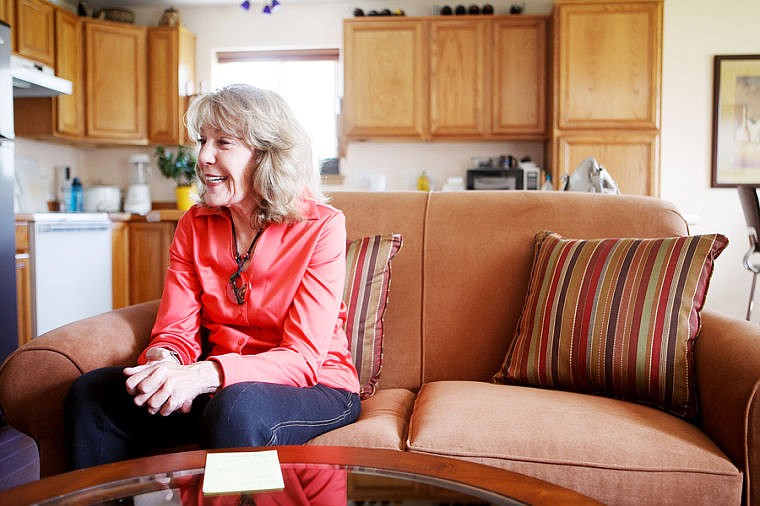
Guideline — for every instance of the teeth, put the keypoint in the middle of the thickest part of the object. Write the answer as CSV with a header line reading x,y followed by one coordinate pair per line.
x,y
215,179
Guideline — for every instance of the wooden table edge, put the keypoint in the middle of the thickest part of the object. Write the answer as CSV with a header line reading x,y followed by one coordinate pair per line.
x,y
501,481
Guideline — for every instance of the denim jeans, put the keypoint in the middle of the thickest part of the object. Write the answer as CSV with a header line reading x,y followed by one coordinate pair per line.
x,y
103,424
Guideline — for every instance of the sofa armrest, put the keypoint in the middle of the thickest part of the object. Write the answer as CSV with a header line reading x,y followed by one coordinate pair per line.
x,y
35,378
727,367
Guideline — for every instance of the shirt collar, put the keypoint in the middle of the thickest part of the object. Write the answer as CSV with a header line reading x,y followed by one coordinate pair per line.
x,y
309,208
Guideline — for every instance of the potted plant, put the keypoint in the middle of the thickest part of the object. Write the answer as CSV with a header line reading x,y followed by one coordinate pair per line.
x,y
179,166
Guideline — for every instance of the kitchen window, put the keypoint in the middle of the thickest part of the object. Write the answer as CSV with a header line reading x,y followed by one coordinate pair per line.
x,y
306,78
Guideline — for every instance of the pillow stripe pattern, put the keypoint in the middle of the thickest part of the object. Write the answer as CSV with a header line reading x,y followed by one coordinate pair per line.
x,y
368,277
614,316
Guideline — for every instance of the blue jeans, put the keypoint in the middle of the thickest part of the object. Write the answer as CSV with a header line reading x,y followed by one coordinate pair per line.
x,y
103,424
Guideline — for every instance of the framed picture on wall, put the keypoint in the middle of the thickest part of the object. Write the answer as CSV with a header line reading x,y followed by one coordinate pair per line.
x,y
736,121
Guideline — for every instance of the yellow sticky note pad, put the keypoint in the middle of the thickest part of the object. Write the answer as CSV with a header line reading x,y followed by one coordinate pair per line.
x,y
239,472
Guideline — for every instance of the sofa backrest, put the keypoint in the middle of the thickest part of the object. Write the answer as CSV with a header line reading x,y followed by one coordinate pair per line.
x,y
370,213
458,283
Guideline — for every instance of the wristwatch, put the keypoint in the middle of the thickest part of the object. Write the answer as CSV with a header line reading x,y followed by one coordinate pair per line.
x,y
175,356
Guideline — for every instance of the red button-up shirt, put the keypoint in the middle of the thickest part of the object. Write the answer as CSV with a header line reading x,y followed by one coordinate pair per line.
x,y
290,328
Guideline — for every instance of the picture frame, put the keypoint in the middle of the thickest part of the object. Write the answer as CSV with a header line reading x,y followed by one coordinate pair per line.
x,y
736,121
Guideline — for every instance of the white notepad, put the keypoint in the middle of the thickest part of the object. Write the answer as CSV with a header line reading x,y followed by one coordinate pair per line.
x,y
241,472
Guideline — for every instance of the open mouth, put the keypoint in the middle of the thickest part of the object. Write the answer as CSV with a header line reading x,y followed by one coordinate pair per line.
x,y
215,179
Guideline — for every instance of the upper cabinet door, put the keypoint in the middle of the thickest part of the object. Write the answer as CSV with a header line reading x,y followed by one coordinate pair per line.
x,y
69,65
608,64
116,81
34,31
385,81
6,12
519,76
171,77
457,77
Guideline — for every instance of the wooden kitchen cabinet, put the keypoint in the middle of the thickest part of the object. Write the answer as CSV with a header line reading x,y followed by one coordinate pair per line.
x,y
519,80
608,64
148,259
116,82
23,284
61,116
34,30
171,78
120,264
7,8
488,78
458,77
385,78
474,78
607,89
628,156
69,117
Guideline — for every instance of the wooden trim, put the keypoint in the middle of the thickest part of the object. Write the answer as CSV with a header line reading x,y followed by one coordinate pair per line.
x,y
330,54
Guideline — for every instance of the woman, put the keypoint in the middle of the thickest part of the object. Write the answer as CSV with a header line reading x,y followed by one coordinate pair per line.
x,y
248,347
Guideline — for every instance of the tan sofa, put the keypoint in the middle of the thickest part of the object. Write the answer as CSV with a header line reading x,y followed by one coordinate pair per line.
x,y
458,285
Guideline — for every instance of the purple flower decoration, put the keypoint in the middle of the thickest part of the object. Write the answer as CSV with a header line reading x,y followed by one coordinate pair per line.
x,y
246,5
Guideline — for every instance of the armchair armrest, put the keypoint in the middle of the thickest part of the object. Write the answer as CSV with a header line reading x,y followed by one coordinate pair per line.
x,y
35,378
727,367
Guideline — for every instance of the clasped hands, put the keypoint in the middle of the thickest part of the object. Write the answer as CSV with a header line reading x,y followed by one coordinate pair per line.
x,y
164,386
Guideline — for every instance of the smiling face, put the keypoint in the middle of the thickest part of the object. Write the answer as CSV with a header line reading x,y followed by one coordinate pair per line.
x,y
225,165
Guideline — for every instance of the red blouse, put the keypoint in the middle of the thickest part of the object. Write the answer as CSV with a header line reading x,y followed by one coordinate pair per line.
x,y
290,328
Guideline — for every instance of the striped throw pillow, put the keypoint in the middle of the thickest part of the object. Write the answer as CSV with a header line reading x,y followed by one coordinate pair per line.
x,y
616,317
368,279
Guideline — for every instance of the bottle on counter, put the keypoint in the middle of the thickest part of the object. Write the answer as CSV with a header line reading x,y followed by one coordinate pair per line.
x,y
77,196
423,182
64,191
548,186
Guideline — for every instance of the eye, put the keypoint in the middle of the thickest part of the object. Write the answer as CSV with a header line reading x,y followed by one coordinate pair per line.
x,y
226,141
201,141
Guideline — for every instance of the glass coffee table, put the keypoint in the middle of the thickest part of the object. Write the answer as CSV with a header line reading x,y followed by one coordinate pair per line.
x,y
313,475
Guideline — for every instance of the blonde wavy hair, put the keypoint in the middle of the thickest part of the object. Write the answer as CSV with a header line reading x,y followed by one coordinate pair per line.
x,y
284,174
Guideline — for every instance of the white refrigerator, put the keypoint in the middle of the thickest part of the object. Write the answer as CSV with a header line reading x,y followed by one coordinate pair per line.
x,y
9,327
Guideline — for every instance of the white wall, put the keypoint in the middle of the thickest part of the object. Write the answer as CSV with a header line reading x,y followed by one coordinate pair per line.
x,y
694,31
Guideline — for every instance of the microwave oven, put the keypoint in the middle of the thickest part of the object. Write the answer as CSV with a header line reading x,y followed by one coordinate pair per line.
x,y
503,179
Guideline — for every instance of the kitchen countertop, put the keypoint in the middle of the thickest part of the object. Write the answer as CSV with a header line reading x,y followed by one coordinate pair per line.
x,y
164,215
156,215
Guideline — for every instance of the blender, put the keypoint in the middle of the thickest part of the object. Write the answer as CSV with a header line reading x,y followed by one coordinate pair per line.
x,y
138,193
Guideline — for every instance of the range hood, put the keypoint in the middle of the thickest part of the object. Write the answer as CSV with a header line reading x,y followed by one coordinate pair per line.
x,y
31,79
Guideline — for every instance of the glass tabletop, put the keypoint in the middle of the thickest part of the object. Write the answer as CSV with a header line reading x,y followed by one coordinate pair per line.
x,y
305,484
312,475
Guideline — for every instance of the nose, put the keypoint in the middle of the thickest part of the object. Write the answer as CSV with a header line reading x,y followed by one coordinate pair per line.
x,y
206,154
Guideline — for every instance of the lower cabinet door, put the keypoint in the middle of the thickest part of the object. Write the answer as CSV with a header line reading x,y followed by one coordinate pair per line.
x,y
632,159
24,298
148,259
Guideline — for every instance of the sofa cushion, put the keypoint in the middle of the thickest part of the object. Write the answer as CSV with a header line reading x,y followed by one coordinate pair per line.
x,y
383,423
615,451
368,279
614,316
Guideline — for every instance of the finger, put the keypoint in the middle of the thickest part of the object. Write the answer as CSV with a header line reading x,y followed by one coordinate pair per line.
x,y
144,386
186,406
133,382
153,400
135,378
128,371
160,401
168,408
